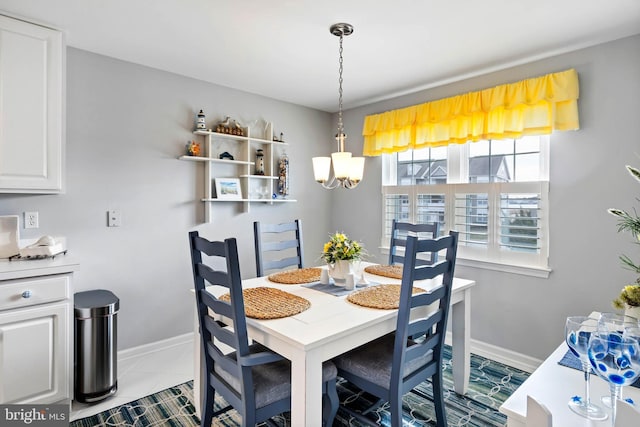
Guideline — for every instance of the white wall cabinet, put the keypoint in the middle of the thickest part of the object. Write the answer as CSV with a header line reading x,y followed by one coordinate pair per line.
x,y
254,188
36,336
31,108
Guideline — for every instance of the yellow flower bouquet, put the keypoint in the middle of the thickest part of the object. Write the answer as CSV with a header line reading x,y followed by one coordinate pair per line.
x,y
629,297
341,247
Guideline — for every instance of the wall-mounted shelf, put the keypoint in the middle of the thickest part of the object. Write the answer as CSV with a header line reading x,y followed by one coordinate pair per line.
x,y
211,159
255,188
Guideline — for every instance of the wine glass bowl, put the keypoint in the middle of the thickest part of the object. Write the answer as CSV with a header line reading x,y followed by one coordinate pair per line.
x,y
578,331
616,324
616,359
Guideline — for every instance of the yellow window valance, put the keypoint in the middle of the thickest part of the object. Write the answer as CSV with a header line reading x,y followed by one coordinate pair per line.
x,y
535,106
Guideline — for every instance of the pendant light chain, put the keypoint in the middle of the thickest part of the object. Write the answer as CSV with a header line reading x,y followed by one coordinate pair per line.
x,y
340,125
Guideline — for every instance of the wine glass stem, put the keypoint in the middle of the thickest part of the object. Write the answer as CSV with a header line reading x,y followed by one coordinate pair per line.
x,y
586,368
616,393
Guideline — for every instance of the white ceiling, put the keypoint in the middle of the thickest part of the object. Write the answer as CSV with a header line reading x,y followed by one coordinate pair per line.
x,y
282,49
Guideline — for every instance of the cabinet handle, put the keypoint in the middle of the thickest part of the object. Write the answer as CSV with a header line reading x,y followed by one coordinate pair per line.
x,y
26,294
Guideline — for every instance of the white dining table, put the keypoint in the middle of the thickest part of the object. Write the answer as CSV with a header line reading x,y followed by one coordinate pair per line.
x,y
332,326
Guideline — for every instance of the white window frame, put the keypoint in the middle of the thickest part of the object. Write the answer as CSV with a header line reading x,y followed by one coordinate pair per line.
x,y
491,257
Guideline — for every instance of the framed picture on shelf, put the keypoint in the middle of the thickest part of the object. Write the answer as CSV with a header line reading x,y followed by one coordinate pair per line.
x,y
228,189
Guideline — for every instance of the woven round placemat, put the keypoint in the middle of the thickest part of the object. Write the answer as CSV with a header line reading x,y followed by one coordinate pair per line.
x,y
393,271
384,297
270,303
294,277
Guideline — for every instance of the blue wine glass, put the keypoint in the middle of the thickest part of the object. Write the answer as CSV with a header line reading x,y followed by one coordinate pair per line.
x,y
615,358
614,323
578,329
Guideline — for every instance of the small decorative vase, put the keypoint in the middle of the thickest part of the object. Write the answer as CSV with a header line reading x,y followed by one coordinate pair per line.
x,y
340,269
632,312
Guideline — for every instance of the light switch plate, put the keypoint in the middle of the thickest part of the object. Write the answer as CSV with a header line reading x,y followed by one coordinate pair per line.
x,y
114,218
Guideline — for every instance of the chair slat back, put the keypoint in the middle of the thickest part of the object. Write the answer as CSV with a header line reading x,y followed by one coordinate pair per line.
x,y
214,313
399,233
289,237
422,318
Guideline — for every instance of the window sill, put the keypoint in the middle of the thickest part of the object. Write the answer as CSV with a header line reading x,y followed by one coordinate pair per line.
x,y
523,270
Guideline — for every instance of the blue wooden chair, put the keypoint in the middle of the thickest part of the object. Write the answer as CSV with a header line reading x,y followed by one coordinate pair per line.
x,y
399,232
283,237
252,379
394,364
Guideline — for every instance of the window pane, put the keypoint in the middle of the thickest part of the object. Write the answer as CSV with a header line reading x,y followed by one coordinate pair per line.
x,y
405,156
471,219
480,148
421,154
497,161
430,208
527,167
528,144
504,146
439,153
426,166
396,206
520,222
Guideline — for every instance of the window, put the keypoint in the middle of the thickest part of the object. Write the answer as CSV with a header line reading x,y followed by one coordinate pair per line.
x,y
494,193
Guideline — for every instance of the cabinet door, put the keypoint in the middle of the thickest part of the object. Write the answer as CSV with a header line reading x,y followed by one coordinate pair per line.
x,y
34,354
31,124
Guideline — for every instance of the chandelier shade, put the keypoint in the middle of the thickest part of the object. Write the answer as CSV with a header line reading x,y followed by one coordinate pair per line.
x,y
348,171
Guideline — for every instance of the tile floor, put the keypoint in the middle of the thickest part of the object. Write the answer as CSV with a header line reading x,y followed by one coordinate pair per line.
x,y
145,374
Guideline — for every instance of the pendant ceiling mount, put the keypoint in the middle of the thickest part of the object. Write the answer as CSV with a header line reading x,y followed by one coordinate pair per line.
x,y
341,29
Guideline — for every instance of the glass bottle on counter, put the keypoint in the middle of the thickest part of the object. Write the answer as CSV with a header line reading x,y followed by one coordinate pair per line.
x,y
283,175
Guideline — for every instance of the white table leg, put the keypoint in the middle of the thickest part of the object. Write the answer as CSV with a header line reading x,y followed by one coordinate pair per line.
x,y
306,390
460,351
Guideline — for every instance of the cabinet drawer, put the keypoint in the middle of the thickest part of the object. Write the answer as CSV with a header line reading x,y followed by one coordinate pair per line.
x,y
38,290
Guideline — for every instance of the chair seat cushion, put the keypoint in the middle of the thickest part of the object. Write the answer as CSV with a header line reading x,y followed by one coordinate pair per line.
x,y
271,382
372,361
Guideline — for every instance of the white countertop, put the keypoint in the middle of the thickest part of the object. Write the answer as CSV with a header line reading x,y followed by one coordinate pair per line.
x,y
19,269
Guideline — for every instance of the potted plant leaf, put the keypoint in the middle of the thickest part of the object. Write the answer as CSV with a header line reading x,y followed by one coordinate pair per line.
x,y
629,297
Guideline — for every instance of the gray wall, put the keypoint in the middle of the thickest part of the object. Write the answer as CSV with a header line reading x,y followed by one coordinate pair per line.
x,y
127,124
126,127
527,314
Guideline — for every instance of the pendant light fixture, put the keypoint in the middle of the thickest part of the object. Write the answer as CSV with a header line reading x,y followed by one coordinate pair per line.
x,y
347,170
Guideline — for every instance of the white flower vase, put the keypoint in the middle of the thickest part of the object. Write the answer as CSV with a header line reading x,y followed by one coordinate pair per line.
x,y
339,271
632,312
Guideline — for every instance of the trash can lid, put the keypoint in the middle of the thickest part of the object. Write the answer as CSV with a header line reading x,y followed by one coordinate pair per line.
x,y
95,303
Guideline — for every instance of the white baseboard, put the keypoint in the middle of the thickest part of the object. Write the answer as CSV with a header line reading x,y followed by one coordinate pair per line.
x,y
502,355
179,340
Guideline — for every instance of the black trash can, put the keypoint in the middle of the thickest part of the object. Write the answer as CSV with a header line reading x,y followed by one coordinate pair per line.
x,y
96,345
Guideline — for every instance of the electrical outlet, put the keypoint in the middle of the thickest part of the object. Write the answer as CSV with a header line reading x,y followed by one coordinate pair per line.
x,y
31,220
114,218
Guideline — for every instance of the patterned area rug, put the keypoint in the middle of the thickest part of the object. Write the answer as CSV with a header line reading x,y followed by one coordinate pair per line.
x,y
490,384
